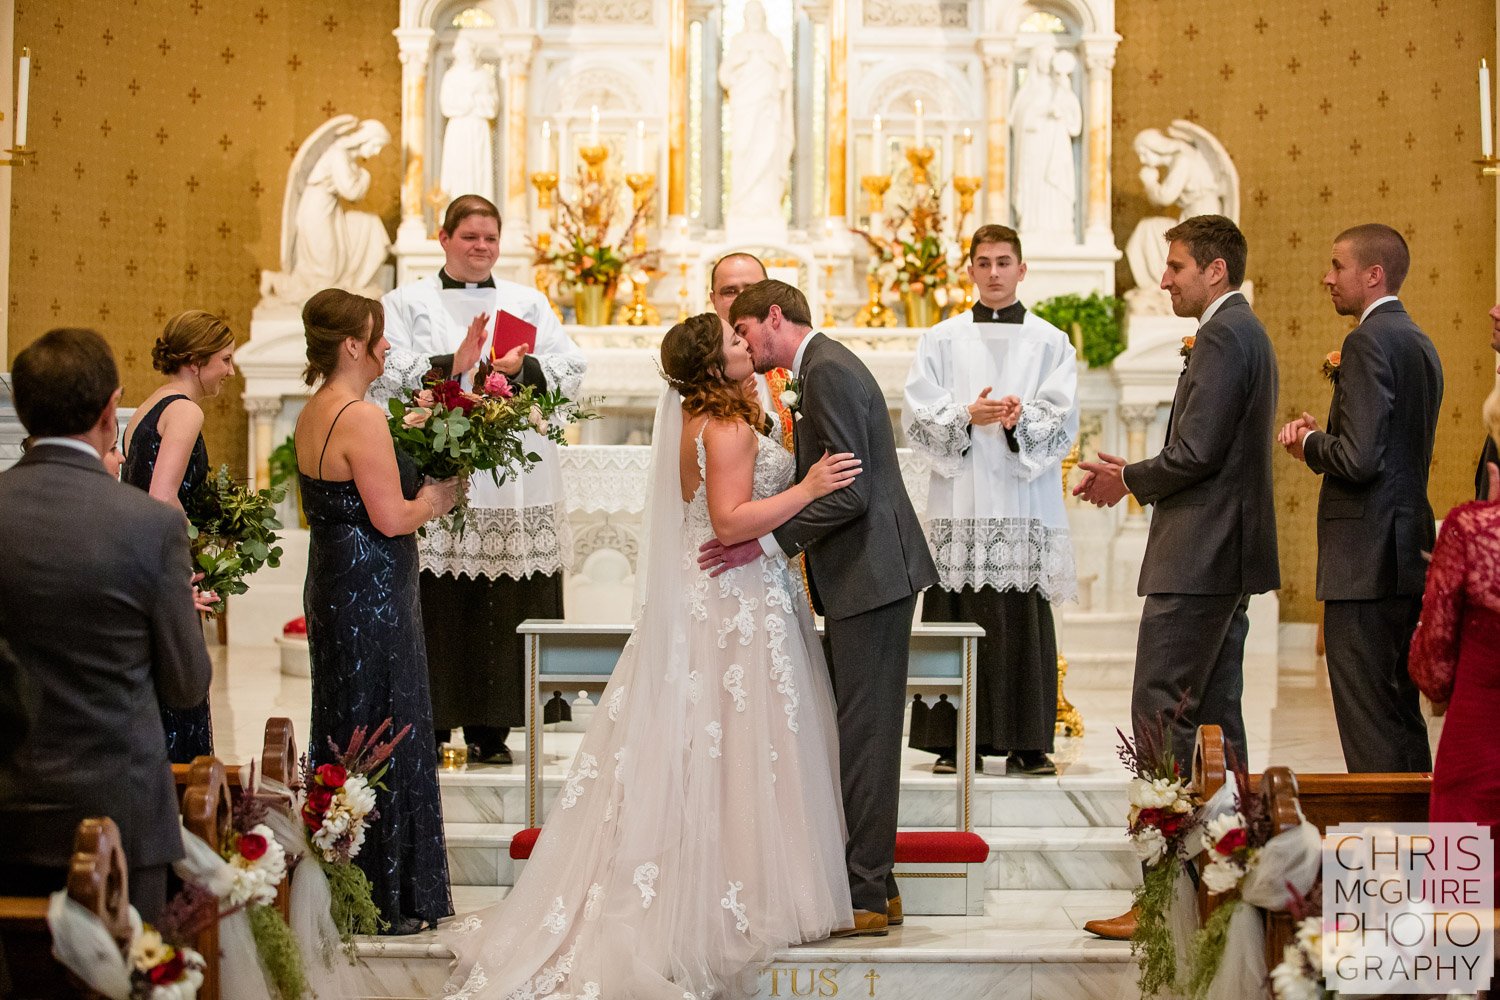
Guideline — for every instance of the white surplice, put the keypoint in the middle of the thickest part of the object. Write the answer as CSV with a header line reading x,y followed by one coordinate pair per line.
x,y
996,517
519,527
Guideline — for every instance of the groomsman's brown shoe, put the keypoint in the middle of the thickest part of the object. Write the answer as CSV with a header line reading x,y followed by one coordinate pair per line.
x,y
866,924
893,915
1121,928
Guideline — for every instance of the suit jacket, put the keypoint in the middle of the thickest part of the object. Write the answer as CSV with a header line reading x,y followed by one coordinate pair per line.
x,y
1213,523
96,603
864,544
1374,520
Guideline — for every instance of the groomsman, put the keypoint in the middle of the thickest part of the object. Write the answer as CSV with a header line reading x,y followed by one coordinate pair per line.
x,y
1374,522
1212,542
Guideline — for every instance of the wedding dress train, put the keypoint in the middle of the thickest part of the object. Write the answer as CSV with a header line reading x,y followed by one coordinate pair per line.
x,y
700,826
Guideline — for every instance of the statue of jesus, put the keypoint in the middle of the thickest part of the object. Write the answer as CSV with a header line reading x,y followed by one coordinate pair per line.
x,y
758,79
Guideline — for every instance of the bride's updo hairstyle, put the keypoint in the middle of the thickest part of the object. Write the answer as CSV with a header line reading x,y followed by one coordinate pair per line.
x,y
692,357
189,338
331,317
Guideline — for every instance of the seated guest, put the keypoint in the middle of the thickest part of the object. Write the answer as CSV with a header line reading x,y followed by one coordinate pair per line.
x,y
1455,655
165,456
96,605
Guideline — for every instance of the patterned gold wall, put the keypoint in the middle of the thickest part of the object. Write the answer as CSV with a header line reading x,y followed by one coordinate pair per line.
x,y
1335,113
164,130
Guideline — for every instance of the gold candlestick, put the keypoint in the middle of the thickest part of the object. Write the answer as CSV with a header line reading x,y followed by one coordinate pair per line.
x,y
876,185
545,182
874,313
682,292
920,158
640,312
966,187
594,157
640,185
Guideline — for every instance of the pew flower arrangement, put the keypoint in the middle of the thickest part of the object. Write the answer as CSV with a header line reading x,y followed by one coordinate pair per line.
x,y
159,971
232,531
258,865
1299,976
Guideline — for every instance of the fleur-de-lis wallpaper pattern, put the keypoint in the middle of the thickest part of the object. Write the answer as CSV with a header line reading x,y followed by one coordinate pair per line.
x,y
164,129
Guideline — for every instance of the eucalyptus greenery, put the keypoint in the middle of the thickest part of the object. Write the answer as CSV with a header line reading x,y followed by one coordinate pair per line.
x,y
1099,319
1152,940
353,909
278,951
233,532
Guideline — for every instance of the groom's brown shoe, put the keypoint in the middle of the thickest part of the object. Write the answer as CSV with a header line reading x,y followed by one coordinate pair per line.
x,y
893,915
1121,928
866,924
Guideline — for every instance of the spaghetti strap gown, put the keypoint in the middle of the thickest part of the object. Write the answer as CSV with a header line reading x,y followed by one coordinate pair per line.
x,y
369,663
190,731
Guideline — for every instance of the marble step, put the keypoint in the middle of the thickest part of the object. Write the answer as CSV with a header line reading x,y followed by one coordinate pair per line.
x,y
498,795
1029,944
1046,858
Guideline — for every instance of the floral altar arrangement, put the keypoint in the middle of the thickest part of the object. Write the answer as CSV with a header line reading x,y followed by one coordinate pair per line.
x,y
232,531
916,260
581,256
452,432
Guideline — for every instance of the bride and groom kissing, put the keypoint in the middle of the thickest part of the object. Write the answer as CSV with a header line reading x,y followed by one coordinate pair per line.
x,y
700,828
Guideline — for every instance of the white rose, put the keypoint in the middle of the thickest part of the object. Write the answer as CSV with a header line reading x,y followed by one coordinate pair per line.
x,y
1150,845
1222,876
1215,829
788,398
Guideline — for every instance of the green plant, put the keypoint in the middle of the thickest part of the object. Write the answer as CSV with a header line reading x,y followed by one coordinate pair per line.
x,y
1099,319
282,462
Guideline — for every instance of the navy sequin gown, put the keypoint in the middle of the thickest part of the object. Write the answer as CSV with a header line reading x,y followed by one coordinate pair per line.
x,y
364,632
190,731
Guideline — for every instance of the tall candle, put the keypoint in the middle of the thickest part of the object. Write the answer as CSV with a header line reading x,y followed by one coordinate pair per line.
x,y
547,161
594,125
968,153
638,153
878,139
921,131
1486,119
23,95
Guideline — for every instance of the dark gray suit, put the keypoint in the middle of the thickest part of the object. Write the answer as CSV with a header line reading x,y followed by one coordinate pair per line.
x,y
1212,541
867,559
1375,528
95,601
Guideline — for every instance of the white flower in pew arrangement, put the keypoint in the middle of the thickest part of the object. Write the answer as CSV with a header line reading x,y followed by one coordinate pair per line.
x,y
159,971
1226,852
259,865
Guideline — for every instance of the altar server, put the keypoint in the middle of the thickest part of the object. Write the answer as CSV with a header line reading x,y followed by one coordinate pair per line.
x,y
507,564
991,399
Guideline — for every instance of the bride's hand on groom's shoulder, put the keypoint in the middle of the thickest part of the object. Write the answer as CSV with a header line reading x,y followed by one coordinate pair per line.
x,y
716,557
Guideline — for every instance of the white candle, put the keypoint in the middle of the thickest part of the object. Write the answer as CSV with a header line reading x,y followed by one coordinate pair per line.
x,y
594,125
968,153
1486,120
638,153
547,162
878,139
23,96
921,131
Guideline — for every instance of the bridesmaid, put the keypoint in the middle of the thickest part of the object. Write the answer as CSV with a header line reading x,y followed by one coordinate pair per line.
x,y
364,621
165,456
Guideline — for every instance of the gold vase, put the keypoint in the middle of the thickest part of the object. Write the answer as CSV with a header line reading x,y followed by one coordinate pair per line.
x,y
593,304
922,309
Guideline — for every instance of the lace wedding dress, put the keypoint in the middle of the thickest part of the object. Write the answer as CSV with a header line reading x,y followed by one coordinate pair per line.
x,y
700,826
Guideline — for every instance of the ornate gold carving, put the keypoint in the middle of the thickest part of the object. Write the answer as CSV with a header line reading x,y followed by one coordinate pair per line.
x,y
1069,719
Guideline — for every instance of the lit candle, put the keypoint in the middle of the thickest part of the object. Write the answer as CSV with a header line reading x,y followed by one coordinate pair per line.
x,y
547,162
594,125
921,131
1486,120
23,95
638,154
968,153
878,139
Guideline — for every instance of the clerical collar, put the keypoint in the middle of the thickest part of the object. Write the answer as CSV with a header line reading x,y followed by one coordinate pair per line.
x,y
1013,313
448,282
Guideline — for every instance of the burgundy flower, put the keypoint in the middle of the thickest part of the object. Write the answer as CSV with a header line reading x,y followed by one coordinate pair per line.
x,y
252,846
1232,841
451,395
332,776
167,972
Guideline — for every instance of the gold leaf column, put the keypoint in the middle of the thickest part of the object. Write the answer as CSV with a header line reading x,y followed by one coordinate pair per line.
x,y
517,52
1099,59
415,51
838,108
677,112
998,56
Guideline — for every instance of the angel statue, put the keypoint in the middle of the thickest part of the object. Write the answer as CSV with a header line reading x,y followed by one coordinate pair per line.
x,y
325,242
1186,167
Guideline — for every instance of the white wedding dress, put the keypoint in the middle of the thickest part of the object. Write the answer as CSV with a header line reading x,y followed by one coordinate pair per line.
x,y
700,828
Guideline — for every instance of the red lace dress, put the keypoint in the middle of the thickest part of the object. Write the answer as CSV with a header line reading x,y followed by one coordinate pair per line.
x,y
1455,657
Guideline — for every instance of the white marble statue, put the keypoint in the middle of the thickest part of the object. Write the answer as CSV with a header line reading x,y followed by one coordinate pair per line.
x,y
325,242
758,78
470,99
1045,118
1184,167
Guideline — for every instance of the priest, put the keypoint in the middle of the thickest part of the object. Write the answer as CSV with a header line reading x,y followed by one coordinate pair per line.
x,y
507,564
991,400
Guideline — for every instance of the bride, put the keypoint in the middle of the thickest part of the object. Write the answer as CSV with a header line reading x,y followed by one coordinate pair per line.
x,y
700,827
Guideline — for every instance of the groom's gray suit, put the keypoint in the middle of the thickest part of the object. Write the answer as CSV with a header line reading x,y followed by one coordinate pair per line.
x,y
867,559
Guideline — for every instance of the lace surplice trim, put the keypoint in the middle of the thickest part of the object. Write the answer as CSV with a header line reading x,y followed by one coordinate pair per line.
x,y
1042,434
403,370
501,541
1004,553
564,372
942,433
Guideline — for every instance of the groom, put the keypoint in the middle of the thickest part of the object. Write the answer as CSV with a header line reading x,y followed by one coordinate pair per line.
x,y
866,561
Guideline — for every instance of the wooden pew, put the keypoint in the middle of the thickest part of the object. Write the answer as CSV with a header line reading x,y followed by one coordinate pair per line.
x,y
1210,772
208,812
278,759
97,881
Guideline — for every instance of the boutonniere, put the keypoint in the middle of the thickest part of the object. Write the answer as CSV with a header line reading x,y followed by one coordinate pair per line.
x,y
1187,350
790,396
1331,366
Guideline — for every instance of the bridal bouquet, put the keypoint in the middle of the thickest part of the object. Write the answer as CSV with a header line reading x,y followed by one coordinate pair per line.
x,y
454,432
232,530
337,804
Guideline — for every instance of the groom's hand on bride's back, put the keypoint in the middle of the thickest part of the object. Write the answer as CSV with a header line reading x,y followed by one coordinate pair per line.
x,y
716,557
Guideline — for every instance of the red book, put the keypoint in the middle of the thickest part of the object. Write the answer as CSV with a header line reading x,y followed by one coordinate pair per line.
x,y
509,332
